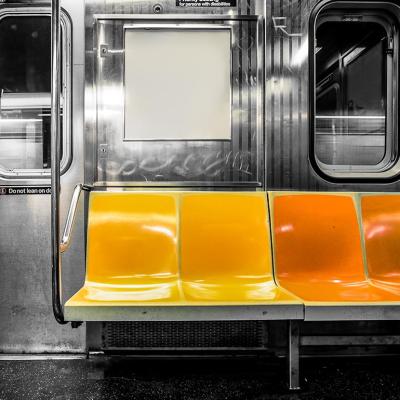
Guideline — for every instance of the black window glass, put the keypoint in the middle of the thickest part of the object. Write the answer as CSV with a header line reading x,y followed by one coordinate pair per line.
x,y
25,92
351,92
25,54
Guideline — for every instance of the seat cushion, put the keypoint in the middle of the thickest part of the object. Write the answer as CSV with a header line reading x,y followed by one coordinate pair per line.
x,y
225,247
318,249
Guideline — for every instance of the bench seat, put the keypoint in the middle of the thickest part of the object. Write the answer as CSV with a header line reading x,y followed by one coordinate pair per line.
x,y
179,256
319,257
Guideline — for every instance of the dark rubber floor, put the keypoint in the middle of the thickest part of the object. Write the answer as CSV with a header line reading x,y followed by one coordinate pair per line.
x,y
344,378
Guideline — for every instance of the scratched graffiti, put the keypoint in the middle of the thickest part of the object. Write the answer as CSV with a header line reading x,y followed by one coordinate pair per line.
x,y
191,167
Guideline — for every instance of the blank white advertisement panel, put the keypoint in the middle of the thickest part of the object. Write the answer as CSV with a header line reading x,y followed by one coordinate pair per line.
x,y
177,84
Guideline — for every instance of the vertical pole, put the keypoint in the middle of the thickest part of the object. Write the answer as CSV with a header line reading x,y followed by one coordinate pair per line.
x,y
55,160
294,356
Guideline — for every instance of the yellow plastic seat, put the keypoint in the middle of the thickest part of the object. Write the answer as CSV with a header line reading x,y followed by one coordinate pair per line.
x,y
381,224
318,252
179,256
131,250
225,249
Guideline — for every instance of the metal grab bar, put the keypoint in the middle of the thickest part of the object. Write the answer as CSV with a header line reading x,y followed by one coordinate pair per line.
x,y
57,246
69,223
55,160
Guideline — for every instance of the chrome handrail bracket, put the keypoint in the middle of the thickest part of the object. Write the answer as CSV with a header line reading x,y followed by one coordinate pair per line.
x,y
69,223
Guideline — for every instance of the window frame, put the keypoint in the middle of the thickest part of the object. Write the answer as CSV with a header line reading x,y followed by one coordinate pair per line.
x,y
389,167
39,176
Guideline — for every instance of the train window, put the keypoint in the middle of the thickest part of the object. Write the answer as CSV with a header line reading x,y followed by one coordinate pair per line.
x,y
186,108
355,93
25,95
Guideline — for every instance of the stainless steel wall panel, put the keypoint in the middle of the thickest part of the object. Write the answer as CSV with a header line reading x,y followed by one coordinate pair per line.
x,y
27,324
185,163
287,104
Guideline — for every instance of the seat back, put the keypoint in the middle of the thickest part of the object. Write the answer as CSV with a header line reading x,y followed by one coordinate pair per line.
x,y
132,238
225,237
225,247
198,246
381,224
316,238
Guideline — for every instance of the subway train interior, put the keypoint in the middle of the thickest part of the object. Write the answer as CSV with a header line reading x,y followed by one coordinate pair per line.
x,y
200,177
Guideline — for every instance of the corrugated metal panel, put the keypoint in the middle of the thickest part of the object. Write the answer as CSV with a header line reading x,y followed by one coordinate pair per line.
x,y
287,104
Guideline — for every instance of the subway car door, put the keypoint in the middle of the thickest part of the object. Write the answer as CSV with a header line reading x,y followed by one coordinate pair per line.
x,y
25,100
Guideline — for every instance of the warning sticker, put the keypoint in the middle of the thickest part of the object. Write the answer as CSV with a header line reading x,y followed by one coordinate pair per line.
x,y
22,190
206,3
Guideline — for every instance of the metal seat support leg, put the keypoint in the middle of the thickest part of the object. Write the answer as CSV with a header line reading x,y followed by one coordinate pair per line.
x,y
294,356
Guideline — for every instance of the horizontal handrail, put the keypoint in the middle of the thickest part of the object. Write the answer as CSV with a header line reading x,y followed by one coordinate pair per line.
x,y
350,117
69,223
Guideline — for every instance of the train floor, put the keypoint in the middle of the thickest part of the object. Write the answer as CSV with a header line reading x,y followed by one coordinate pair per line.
x,y
133,378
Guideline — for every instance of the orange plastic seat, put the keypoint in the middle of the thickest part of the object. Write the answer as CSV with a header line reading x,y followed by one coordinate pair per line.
x,y
225,249
381,224
318,251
